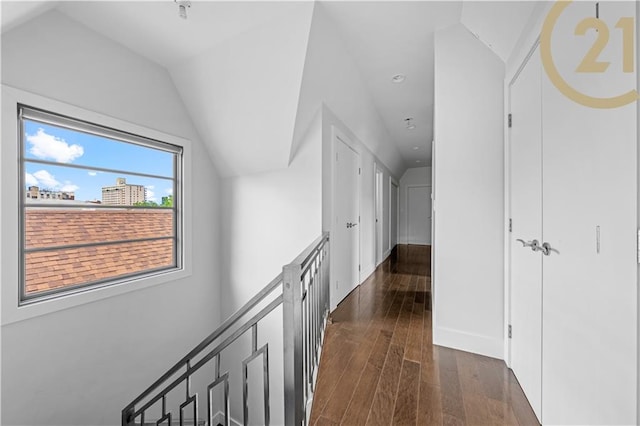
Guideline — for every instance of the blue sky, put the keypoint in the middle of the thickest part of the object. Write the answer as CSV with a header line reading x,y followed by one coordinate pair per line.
x,y
65,146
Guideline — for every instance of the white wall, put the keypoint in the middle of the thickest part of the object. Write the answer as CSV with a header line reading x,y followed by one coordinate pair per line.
x,y
269,218
468,262
412,177
333,84
82,365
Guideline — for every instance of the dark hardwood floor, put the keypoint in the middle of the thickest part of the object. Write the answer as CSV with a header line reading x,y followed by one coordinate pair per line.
x,y
379,365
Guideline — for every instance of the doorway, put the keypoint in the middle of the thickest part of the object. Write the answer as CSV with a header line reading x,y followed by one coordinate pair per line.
x,y
573,302
346,227
379,212
526,226
393,214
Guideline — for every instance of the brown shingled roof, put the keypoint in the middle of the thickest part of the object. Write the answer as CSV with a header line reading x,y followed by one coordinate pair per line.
x,y
46,270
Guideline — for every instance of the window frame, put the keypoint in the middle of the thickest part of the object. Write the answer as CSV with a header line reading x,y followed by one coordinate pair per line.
x,y
13,266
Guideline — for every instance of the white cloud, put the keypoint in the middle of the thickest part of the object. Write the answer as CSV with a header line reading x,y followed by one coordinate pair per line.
x,y
69,187
151,196
92,173
49,147
46,179
169,191
30,180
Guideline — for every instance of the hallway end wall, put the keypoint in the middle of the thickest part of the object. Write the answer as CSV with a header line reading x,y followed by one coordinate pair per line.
x,y
416,176
469,178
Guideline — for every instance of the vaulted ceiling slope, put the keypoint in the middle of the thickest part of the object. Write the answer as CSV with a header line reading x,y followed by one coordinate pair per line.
x,y
331,77
237,66
386,38
497,24
252,74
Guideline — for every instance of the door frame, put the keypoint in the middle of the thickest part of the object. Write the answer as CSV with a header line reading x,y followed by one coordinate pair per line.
x,y
378,209
406,208
339,135
393,182
508,82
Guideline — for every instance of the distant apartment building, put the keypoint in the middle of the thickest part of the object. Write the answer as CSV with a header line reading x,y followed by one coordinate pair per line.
x,y
35,193
123,193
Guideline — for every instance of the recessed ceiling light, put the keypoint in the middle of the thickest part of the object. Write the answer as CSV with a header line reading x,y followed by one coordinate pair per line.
x,y
415,148
418,161
398,78
409,123
183,5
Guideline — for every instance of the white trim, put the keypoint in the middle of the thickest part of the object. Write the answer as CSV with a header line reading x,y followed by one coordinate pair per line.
x,y
9,184
469,342
218,418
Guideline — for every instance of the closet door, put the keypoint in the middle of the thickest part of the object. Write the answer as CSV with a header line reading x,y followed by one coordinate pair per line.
x,y
589,352
526,214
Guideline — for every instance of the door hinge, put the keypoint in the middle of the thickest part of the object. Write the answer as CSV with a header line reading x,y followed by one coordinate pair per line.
x,y
358,268
510,225
510,119
509,331
359,171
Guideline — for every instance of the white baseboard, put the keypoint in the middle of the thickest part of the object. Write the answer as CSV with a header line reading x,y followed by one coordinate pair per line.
x,y
366,272
218,418
468,342
386,254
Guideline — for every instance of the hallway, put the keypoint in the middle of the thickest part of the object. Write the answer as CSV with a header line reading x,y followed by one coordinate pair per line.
x,y
379,364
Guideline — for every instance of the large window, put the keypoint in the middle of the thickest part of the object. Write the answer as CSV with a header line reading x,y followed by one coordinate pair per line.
x,y
98,206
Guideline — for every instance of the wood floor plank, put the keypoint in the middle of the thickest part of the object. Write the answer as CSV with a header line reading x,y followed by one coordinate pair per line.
x,y
360,404
414,337
501,413
406,409
346,386
384,400
379,365
404,318
429,405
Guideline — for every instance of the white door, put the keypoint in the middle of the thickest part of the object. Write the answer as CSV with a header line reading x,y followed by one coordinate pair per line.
x,y
525,145
393,216
379,216
590,188
419,215
346,226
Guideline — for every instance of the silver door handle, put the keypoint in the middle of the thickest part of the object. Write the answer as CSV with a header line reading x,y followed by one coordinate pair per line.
x,y
534,244
547,249
351,225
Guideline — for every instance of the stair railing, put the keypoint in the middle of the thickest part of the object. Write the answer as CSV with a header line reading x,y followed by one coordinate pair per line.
x,y
303,291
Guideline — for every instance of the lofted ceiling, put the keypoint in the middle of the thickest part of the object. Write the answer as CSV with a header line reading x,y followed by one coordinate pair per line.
x,y
390,38
497,23
232,103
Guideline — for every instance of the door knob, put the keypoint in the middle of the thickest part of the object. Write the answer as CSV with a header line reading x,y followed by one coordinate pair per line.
x,y
535,245
547,249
